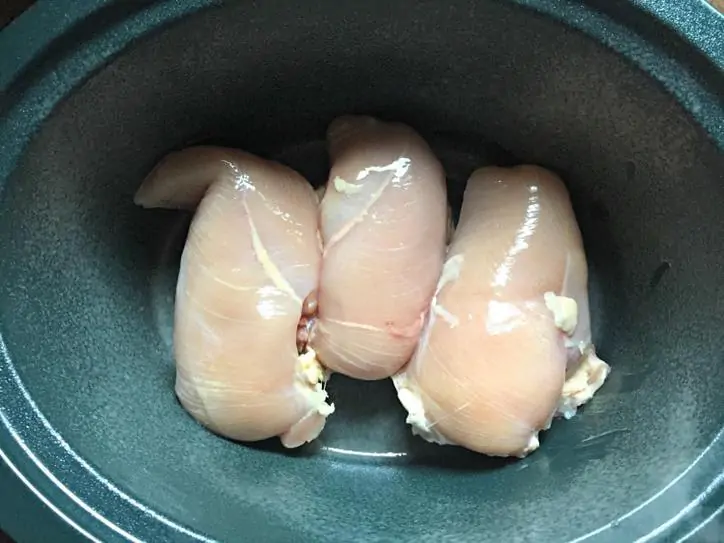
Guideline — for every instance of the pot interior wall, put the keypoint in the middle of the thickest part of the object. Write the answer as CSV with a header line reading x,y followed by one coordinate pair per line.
x,y
87,292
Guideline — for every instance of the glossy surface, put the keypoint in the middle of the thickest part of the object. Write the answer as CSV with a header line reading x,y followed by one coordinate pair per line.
x,y
509,315
87,374
383,221
251,259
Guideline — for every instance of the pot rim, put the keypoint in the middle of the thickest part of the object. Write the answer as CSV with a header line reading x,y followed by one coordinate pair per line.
x,y
42,63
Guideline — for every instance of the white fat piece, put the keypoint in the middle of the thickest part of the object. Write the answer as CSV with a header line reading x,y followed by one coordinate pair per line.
x,y
565,311
345,187
450,272
533,444
262,256
310,381
590,375
416,417
398,168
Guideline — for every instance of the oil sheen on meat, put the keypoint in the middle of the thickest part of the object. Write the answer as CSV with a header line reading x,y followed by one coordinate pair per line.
x,y
507,344
251,259
384,219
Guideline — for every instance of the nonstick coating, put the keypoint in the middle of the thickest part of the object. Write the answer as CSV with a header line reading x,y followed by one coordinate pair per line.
x,y
86,295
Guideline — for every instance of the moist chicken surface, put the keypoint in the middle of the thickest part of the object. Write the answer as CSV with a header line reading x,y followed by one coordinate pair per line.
x,y
383,219
249,268
507,343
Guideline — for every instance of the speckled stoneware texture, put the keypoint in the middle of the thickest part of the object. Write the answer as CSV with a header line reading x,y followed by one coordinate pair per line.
x,y
86,295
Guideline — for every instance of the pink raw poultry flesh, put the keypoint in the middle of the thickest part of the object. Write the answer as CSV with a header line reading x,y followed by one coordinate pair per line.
x,y
383,221
486,339
249,267
507,344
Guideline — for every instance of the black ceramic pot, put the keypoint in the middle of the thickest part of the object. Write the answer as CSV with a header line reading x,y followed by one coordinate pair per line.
x,y
623,99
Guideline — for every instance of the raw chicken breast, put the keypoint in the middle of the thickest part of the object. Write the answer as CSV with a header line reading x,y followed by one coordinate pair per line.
x,y
383,221
248,271
509,320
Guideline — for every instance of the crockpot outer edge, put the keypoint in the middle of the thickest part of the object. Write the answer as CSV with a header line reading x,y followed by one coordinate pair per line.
x,y
35,77
47,52
680,44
